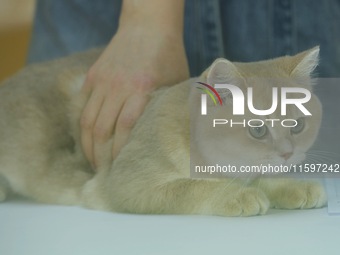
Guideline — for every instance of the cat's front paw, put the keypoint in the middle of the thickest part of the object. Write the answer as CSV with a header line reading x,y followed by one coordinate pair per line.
x,y
301,195
246,202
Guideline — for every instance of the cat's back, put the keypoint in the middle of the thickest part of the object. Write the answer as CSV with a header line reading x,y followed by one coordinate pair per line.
x,y
161,135
31,105
36,79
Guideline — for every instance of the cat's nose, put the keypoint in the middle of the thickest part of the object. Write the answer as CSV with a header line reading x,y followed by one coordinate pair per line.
x,y
286,155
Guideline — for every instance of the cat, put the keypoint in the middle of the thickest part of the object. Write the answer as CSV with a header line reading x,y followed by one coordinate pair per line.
x,y
41,155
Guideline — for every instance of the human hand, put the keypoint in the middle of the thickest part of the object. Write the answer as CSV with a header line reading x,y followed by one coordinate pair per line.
x,y
138,60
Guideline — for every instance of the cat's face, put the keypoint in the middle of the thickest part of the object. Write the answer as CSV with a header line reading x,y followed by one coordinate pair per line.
x,y
272,143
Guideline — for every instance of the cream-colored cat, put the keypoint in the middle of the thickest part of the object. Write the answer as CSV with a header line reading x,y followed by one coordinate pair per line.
x,y
41,156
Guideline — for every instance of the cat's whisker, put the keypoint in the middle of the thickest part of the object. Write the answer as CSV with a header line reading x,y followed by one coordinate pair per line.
x,y
231,182
315,159
245,183
322,158
311,161
324,126
258,186
324,152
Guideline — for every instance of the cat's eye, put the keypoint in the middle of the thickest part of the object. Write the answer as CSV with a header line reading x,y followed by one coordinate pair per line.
x,y
258,132
300,125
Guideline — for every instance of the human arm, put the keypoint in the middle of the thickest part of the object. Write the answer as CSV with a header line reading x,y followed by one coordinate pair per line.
x,y
146,52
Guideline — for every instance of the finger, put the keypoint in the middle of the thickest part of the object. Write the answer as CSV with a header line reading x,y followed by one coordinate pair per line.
x,y
131,111
105,125
87,88
87,123
90,80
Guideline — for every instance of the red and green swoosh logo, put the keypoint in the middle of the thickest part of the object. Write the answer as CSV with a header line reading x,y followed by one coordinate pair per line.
x,y
211,91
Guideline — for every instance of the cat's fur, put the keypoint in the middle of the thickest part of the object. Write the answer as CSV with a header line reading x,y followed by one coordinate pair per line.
x,y
41,156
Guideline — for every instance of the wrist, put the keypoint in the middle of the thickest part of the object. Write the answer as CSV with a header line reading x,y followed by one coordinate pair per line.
x,y
160,16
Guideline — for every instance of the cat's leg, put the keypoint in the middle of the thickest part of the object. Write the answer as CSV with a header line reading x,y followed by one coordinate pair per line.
x,y
216,197
57,180
182,196
288,193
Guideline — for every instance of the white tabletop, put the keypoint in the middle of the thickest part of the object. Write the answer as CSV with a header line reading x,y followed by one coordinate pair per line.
x,y
29,228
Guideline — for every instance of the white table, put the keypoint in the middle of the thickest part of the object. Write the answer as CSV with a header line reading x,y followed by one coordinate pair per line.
x,y
29,228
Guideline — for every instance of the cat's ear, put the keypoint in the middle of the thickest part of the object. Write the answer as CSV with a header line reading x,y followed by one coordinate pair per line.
x,y
222,71
305,63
